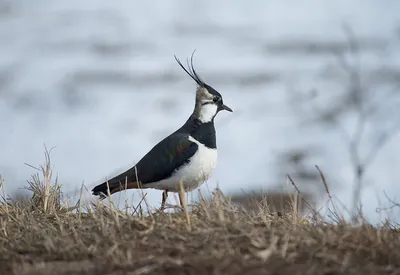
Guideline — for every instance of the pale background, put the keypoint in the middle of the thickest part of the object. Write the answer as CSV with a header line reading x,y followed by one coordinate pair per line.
x,y
98,81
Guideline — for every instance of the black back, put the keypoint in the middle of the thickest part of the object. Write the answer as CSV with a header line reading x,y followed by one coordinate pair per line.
x,y
170,153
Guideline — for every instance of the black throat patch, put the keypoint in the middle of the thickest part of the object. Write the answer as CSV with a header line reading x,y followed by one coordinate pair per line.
x,y
202,132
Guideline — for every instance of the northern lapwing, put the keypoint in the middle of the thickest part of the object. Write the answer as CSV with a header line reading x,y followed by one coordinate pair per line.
x,y
186,158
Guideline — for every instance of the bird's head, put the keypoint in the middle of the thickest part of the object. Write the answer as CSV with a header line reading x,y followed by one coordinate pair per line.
x,y
208,100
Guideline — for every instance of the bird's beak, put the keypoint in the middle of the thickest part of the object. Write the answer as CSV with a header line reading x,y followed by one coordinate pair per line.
x,y
224,107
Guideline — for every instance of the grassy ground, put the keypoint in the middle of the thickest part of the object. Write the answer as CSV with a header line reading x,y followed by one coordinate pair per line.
x,y
39,236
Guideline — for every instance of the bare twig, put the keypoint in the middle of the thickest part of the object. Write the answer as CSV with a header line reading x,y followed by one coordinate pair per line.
x,y
394,204
315,213
357,102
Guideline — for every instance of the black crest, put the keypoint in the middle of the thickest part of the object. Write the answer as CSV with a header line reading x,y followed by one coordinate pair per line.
x,y
190,71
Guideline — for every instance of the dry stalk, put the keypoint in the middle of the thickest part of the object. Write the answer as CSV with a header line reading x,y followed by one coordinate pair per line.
x,y
185,206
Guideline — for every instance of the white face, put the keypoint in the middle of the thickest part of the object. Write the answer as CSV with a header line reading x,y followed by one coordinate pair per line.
x,y
207,112
207,108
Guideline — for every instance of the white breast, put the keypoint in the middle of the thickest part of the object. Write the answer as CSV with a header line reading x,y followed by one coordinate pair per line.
x,y
193,174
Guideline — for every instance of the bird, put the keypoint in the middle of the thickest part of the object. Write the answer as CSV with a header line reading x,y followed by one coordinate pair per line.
x,y
182,161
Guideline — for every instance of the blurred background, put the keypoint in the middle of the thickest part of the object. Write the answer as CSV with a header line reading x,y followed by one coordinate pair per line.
x,y
310,82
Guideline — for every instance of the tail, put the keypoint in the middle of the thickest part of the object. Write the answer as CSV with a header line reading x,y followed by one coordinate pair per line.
x,y
118,183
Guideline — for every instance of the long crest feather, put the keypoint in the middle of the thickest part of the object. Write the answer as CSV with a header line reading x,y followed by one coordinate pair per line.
x,y
190,71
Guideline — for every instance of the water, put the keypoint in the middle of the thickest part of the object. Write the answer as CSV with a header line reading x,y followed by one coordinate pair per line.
x,y
97,80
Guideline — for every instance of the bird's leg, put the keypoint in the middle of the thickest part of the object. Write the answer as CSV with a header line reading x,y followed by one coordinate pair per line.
x,y
182,199
164,198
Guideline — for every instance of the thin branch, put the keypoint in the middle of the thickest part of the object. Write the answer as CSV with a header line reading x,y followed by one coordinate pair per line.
x,y
382,141
394,204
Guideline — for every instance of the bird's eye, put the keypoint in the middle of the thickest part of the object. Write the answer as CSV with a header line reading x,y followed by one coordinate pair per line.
x,y
216,99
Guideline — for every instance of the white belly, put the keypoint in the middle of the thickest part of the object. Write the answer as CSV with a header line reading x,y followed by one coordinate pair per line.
x,y
193,174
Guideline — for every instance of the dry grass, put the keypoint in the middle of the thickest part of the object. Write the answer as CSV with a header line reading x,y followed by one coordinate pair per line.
x,y
214,237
